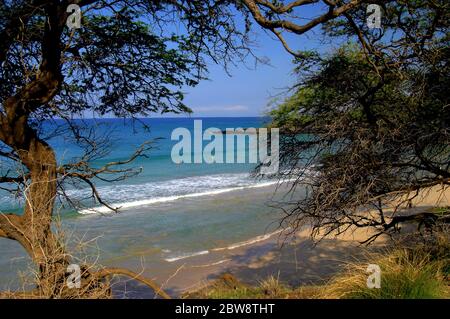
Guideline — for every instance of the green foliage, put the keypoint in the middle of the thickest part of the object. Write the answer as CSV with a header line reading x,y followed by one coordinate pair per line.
x,y
126,59
127,68
409,284
378,126
324,92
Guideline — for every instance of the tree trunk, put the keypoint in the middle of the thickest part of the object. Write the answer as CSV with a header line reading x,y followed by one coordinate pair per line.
x,y
43,247
33,229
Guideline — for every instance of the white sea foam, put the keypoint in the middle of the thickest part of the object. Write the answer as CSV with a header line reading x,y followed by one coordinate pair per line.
x,y
248,242
162,199
184,256
126,196
230,247
212,264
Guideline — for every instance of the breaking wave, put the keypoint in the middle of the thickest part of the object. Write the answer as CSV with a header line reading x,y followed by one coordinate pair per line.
x,y
129,196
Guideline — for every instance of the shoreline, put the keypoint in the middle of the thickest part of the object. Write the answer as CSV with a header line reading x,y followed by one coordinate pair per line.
x,y
158,200
297,262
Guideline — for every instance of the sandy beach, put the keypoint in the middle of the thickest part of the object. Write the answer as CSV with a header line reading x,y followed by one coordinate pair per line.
x,y
296,261
251,257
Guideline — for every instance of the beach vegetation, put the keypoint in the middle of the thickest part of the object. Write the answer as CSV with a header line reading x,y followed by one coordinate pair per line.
x,y
385,102
420,271
376,114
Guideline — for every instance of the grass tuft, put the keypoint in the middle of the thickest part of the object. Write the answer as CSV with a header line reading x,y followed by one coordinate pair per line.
x,y
418,272
421,272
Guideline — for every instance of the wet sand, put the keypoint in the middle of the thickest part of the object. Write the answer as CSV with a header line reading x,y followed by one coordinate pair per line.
x,y
295,262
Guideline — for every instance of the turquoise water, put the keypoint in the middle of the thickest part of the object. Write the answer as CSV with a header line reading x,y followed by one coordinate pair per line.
x,y
160,176
169,212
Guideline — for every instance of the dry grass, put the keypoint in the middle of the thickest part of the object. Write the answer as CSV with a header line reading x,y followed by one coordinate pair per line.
x,y
418,272
421,272
97,282
81,254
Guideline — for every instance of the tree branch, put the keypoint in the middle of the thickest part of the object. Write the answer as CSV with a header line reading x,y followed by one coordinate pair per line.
x,y
125,272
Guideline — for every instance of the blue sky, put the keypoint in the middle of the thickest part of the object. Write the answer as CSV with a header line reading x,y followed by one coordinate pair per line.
x,y
248,92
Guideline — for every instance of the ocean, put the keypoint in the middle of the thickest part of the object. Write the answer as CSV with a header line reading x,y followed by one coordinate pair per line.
x,y
168,213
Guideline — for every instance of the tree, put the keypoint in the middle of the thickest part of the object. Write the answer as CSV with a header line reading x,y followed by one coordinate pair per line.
x,y
126,62
368,127
123,61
